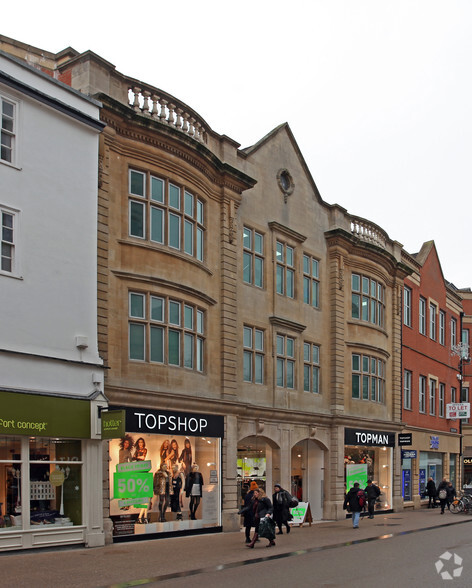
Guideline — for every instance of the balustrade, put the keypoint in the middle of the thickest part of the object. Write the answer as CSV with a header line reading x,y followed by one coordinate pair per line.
x,y
157,106
369,232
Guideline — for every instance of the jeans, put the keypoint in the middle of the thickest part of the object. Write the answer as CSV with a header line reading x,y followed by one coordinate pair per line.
x,y
355,519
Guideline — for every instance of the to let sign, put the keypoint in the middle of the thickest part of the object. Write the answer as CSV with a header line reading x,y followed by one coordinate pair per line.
x,y
458,410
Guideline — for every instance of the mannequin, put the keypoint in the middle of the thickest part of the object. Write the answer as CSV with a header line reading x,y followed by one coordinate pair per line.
x,y
193,489
177,486
161,489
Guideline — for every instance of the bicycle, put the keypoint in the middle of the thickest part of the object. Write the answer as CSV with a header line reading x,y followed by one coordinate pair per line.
x,y
463,503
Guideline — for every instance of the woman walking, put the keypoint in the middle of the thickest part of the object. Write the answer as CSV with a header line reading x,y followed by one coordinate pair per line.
x,y
261,508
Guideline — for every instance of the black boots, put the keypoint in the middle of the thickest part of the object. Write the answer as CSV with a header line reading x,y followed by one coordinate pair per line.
x,y
254,539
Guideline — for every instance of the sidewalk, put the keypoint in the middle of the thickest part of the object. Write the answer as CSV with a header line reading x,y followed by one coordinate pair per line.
x,y
78,567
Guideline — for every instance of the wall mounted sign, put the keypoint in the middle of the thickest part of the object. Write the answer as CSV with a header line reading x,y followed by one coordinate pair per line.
x,y
458,410
369,438
409,454
405,439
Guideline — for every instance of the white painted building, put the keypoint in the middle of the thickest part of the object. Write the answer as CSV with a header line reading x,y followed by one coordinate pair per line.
x,y
51,374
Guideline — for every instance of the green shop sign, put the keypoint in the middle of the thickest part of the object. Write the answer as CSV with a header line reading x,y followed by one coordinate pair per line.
x,y
113,423
44,416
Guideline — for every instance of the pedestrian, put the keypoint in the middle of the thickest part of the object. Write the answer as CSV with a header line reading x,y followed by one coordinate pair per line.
x,y
442,494
451,494
372,492
431,491
246,511
261,508
280,501
355,499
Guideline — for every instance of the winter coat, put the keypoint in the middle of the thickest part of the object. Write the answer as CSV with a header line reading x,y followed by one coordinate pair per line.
x,y
246,511
352,500
372,491
431,488
259,508
451,493
280,502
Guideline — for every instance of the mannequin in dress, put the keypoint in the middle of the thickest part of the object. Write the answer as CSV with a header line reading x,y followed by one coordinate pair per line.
x,y
194,489
177,486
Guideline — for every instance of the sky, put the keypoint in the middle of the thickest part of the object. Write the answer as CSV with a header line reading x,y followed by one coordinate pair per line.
x,y
377,93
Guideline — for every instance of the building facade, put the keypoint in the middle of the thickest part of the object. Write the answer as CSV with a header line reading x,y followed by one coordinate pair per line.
x,y
51,374
432,311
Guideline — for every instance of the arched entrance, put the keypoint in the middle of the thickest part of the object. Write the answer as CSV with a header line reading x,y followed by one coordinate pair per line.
x,y
307,475
258,461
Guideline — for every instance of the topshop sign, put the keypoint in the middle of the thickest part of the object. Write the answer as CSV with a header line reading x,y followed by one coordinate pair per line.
x,y
164,422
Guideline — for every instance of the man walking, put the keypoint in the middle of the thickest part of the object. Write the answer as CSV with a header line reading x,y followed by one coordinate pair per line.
x,y
373,492
355,498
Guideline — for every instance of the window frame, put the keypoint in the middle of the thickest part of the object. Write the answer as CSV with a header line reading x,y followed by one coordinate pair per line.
x,y
311,280
255,353
433,309
407,300
11,133
442,327
407,380
370,296
422,316
422,394
9,241
255,255
285,361
311,368
285,269
162,216
370,378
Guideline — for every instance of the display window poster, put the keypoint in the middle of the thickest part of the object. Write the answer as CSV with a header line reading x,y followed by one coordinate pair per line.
x,y
356,472
162,483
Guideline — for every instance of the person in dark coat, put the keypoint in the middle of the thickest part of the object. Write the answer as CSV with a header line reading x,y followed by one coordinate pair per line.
x,y
261,507
442,494
280,501
352,500
372,492
451,494
431,490
246,511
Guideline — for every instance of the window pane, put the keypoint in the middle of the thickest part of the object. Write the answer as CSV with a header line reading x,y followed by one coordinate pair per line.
x,y
355,386
365,387
174,196
280,345
157,309
188,350
247,366
136,183
306,352
316,380
174,347
258,243
355,283
306,290
356,306
247,238
289,254
199,354
247,337
356,363
306,378
157,225
279,250
136,305
174,313
136,341
365,308
247,268
290,280
189,204
314,268
199,244
200,212
136,220
157,344
199,321
174,231
259,340
306,264
157,190
373,390
314,294
258,272
290,372
365,285
188,237
290,347
316,354
188,317
259,369
280,372
280,280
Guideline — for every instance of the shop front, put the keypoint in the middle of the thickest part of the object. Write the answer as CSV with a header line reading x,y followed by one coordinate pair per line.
x,y
165,474
368,455
50,471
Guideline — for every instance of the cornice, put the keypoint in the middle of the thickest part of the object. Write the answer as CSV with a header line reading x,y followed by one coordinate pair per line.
x,y
275,226
286,324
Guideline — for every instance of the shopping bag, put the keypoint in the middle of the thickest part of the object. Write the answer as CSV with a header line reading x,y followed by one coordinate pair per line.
x,y
267,528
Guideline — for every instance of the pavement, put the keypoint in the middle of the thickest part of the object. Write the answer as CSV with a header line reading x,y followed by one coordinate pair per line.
x,y
152,561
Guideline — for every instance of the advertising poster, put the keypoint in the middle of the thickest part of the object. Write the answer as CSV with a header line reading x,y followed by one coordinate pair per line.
x,y
356,472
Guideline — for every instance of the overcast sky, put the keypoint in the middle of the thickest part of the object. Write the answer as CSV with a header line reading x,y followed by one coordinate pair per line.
x,y
377,93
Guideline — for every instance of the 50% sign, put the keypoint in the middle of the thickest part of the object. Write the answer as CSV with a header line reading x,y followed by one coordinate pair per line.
x,y
131,487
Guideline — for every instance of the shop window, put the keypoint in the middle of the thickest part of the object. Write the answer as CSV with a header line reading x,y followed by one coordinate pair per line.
x,y
368,378
176,489
167,331
10,484
165,213
368,300
364,463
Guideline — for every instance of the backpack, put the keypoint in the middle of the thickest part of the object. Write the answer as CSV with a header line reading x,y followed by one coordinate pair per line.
x,y
361,498
442,494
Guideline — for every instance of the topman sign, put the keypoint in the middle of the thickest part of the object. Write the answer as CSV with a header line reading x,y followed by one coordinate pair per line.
x,y
369,438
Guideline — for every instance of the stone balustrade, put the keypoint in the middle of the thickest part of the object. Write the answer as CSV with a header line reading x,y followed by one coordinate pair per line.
x,y
163,107
368,231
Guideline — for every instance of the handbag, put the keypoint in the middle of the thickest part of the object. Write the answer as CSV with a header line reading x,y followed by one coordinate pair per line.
x,y
293,502
267,528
